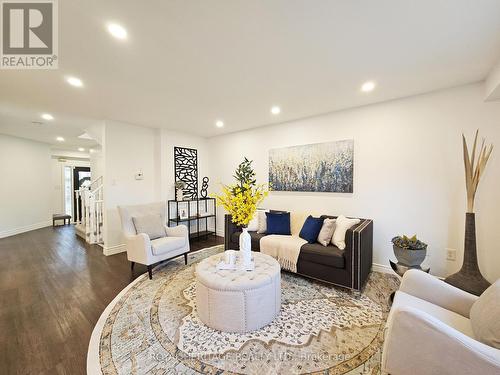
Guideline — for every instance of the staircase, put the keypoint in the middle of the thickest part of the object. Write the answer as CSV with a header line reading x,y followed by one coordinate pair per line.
x,y
89,212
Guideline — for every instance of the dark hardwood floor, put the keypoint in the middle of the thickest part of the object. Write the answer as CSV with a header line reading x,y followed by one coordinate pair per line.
x,y
53,288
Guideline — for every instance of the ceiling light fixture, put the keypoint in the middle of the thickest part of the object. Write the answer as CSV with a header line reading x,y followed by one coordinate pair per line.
x,y
275,110
368,86
47,116
73,81
117,31
91,150
81,149
219,123
60,139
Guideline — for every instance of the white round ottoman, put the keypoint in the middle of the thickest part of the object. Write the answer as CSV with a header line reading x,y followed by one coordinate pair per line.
x,y
238,301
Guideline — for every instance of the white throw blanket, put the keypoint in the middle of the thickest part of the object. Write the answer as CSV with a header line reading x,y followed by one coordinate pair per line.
x,y
285,249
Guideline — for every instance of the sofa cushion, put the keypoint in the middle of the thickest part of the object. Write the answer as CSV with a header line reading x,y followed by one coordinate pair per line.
x,y
165,245
342,224
253,225
326,233
255,237
484,316
151,224
261,221
297,219
311,229
278,223
328,255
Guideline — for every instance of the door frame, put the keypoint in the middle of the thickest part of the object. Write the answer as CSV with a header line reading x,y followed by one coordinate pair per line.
x,y
74,182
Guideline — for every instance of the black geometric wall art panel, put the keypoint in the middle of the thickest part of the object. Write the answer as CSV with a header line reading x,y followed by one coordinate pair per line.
x,y
186,170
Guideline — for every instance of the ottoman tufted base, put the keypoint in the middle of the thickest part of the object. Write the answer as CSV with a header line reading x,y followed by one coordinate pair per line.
x,y
238,301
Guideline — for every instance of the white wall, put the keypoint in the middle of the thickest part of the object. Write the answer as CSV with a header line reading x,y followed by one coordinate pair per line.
x,y
25,185
128,149
169,140
408,173
97,164
492,84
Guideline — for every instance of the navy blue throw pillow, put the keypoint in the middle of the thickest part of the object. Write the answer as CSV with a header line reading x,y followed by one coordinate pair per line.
x,y
278,223
311,228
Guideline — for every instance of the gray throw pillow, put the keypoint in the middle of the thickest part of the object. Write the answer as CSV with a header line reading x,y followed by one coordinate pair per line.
x,y
485,316
152,225
326,233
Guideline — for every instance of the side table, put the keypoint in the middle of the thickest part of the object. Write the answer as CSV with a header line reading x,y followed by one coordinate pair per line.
x,y
400,270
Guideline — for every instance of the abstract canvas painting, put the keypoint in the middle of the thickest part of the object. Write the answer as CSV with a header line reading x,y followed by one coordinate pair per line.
x,y
319,167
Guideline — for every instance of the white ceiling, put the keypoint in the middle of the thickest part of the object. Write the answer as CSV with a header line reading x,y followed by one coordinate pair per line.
x,y
188,63
27,123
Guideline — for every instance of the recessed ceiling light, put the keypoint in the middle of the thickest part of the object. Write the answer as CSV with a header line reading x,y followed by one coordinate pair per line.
x,y
117,31
368,86
219,123
275,110
81,149
60,139
91,150
47,116
73,81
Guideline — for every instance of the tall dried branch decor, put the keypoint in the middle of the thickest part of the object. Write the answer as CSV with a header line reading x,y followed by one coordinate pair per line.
x,y
474,168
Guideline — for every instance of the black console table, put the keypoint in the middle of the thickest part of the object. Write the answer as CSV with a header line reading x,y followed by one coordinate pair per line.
x,y
198,214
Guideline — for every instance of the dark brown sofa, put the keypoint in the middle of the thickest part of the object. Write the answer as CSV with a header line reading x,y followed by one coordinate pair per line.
x,y
347,268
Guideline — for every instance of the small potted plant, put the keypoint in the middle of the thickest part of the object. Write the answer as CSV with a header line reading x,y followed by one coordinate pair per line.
x,y
179,190
409,251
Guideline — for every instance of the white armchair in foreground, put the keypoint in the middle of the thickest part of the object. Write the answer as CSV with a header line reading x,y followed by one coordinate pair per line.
x,y
429,331
172,242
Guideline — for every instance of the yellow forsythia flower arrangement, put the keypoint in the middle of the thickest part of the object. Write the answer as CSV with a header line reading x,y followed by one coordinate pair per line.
x,y
241,199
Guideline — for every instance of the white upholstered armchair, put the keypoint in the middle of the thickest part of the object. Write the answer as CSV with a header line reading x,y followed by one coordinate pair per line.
x,y
172,242
429,331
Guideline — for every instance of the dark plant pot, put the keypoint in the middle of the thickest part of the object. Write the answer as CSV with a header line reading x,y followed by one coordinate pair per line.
x,y
469,277
410,258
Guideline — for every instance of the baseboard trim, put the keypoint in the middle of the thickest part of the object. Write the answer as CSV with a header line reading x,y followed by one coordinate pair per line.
x,y
112,250
381,268
27,228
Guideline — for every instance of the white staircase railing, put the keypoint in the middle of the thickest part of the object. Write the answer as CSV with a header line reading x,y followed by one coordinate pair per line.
x,y
89,211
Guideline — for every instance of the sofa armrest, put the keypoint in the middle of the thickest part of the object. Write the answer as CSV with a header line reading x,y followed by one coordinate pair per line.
x,y
429,288
417,342
229,229
359,252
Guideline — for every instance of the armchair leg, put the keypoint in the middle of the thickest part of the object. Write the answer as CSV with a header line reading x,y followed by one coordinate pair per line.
x,y
150,272
132,264
186,258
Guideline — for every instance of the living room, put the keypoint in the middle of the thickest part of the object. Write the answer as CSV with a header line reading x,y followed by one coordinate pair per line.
x,y
290,150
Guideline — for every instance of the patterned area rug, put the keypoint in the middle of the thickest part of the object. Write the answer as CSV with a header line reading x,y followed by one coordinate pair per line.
x,y
153,328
